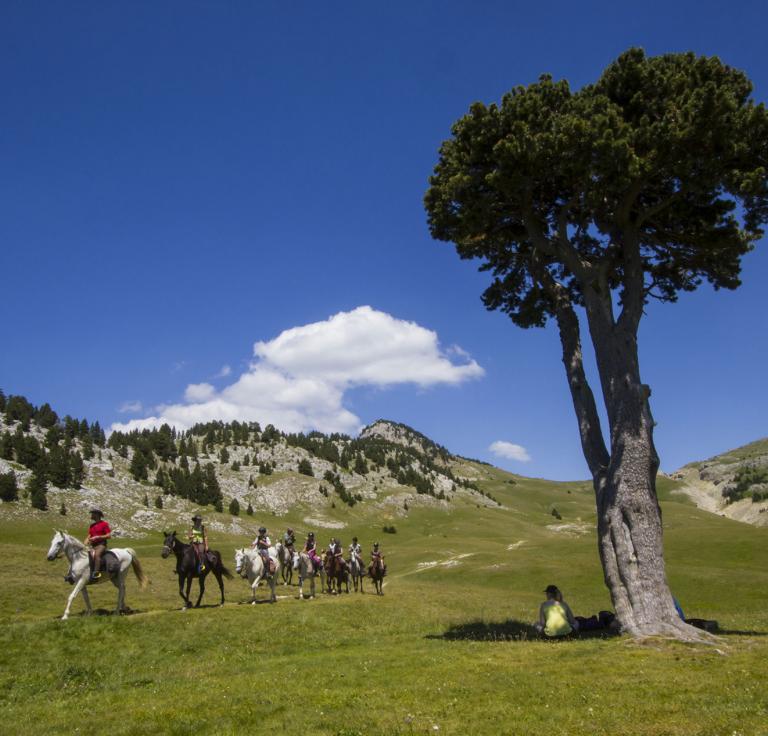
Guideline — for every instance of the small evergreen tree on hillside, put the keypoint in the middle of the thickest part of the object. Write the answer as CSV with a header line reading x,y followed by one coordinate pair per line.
x,y
38,491
234,507
2,400
235,465
59,472
45,416
88,451
223,456
63,509
305,467
138,466
249,510
9,489
6,446
158,502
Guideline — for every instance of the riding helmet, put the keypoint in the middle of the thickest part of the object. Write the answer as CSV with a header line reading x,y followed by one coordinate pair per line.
x,y
262,530
97,511
197,517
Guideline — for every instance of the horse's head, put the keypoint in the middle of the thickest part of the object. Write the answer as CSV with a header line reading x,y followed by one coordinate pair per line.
x,y
239,561
57,546
169,543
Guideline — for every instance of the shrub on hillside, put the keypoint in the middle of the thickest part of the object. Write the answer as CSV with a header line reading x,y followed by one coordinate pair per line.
x,y
9,489
305,468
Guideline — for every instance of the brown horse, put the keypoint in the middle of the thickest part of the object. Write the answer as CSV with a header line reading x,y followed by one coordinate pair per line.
x,y
336,572
187,567
376,571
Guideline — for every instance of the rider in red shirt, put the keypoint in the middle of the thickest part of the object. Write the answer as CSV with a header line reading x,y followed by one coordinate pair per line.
x,y
98,534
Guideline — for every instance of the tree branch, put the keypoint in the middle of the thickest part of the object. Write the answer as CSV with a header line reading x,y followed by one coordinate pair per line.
x,y
592,442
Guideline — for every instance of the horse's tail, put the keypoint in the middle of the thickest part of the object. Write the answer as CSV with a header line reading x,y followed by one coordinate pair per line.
x,y
137,569
226,573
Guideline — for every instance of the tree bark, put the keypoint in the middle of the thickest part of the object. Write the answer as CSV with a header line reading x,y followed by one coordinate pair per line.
x,y
629,524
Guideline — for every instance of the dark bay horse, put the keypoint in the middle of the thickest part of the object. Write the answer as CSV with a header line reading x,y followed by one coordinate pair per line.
x,y
336,572
377,570
187,567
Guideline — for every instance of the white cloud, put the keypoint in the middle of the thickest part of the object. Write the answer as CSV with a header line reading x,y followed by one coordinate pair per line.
x,y
510,451
199,392
224,372
131,407
297,381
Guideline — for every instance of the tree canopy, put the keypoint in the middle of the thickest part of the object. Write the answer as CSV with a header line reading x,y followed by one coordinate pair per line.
x,y
649,181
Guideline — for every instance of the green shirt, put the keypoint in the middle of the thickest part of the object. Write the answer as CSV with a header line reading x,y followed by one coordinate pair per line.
x,y
556,620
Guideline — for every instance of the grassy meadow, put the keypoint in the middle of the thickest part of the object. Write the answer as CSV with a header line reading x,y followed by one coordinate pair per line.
x,y
446,650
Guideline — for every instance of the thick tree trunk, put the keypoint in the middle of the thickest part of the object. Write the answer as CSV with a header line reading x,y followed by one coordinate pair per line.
x,y
624,477
628,514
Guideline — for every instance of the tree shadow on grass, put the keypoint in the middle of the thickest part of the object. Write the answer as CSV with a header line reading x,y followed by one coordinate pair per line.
x,y
510,630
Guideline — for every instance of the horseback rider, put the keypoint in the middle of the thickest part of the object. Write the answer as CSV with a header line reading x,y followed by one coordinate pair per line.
x,y
377,559
338,551
262,544
356,552
310,548
199,538
98,534
289,539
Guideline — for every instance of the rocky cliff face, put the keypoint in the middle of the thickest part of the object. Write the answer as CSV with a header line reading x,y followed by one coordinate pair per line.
x,y
733,484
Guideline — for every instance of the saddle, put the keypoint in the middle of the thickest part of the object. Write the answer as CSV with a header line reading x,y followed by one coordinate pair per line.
x,y
108,563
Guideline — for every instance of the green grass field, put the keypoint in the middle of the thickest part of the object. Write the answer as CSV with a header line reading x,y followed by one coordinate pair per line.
x,y
444,651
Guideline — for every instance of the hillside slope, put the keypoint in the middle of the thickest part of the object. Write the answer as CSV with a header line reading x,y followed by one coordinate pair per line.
x,y
733,484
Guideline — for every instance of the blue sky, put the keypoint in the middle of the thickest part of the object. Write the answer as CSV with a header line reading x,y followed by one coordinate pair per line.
x,y
180,181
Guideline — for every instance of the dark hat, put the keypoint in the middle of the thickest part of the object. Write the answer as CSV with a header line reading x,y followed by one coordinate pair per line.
x,y
354,539
262,529
552,589
197,517
97,511
311,534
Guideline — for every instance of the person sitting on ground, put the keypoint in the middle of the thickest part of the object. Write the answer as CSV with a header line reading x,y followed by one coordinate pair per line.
x,y
199,539
377,558
310,548
555,616
356,552
262,544
98,534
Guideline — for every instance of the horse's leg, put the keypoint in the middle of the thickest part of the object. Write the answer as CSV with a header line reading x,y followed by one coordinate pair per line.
x,y
185,596
220,580
202,588
272,584
79,585
254,585
119,583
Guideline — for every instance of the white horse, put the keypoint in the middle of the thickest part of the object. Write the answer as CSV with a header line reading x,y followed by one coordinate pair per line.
x,y
307,569
80,569
249,564
357,572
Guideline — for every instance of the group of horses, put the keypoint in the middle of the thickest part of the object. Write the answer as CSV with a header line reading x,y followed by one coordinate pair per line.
x,y
335,572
